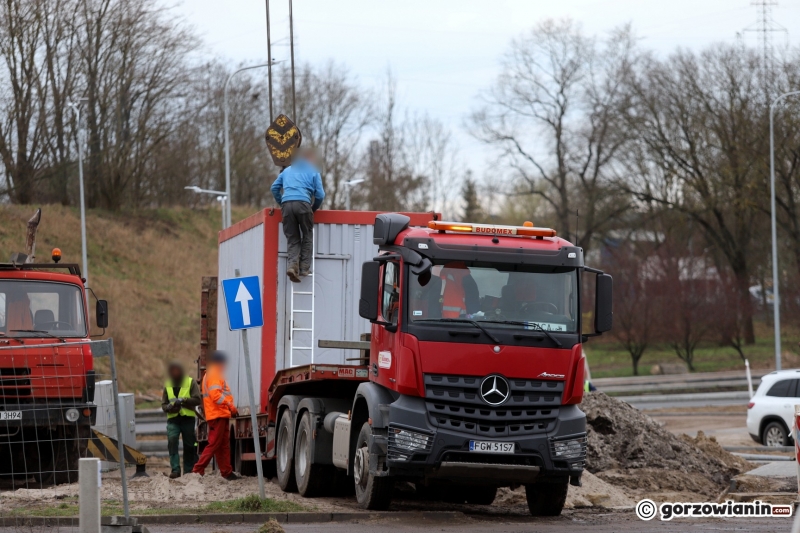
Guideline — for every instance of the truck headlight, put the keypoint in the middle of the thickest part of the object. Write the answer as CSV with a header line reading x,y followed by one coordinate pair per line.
x,y
569,448
72,415
410,440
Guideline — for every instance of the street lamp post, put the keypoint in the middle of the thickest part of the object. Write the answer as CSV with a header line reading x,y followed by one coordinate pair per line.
x,y
76,108
221,198
227,192
776,301
349,185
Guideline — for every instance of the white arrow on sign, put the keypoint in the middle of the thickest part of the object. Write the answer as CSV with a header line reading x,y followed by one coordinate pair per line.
x,y
244,297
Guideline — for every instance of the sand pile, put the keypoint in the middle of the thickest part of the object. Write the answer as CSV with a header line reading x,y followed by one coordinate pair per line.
x,y
594,492
188,491
626,447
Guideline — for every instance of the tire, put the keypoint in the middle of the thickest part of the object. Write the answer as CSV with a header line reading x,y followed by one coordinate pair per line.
x,y
546,499
372,492
42,460
284,451
311,478
775,434
68,447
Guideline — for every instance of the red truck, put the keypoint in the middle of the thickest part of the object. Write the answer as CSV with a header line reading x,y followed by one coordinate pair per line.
x,y
47,376
471,376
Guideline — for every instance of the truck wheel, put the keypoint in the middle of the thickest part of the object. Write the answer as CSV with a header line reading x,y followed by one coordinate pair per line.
x,y
775,434
284,447
480,495
68,447
310,477
372,492
546,499
39,455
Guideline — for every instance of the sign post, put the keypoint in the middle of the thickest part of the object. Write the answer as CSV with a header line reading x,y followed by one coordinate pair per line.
x,y
243,303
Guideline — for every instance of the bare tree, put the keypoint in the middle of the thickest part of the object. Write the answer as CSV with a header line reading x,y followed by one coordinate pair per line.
x,y
134,60
699,129
555,117
333,114
392,184
634,301
59,39
22,146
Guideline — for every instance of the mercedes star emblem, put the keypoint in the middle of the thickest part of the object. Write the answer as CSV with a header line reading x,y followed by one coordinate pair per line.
x,y
495,390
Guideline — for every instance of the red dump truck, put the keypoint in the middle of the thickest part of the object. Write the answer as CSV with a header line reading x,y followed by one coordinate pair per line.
x,y
446,354
47,376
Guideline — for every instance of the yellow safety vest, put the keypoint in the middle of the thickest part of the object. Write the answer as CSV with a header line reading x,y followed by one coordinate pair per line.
x,y
185,392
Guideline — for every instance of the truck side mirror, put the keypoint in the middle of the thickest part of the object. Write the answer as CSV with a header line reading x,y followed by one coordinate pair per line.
x,y
604,310
370,285
101,313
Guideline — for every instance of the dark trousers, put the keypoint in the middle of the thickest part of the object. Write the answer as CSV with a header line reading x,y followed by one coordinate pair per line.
x,y
298,226
218,447
177,427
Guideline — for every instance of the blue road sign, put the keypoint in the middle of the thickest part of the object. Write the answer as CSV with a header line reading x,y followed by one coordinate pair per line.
x,y
243,302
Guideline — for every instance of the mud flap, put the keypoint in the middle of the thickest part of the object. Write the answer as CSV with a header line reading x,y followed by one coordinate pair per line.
x,y
378,449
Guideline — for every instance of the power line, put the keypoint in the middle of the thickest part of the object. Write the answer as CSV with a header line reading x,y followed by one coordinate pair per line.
x,y
765,27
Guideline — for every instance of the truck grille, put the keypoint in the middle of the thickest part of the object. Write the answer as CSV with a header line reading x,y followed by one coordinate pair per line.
x,y
14,383
454,402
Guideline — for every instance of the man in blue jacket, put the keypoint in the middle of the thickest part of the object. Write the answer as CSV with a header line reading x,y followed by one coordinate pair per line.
x,y
302,195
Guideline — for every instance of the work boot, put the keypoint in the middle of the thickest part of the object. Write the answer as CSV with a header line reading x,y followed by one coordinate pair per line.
x,y
292,273
304,273
175,474
233,476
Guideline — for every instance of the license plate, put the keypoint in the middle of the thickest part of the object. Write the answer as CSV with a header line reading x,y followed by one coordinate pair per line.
x,y
491,447
10,415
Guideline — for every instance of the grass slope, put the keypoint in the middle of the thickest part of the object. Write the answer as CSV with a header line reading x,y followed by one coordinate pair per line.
x,y
607,358
148,264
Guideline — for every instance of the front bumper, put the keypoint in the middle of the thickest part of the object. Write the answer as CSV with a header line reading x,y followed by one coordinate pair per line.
x,y
47,415
447,454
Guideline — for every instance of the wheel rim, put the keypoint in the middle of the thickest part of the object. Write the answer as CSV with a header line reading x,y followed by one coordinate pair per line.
x,y
283,449
302,448
774,437
360,467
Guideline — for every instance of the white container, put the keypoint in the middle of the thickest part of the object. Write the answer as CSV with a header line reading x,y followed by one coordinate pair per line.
x,y
256,246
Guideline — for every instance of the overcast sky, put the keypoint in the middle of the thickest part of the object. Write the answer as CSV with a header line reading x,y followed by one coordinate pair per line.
x,y
444,52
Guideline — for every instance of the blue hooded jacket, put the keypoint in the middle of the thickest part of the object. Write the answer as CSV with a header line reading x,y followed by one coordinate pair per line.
x,y
300,181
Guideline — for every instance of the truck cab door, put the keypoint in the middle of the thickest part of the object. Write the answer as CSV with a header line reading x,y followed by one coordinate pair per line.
x,y
384,333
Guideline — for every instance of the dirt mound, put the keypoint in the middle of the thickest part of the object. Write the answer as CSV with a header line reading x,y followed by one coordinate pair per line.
x,y
626,447
594,492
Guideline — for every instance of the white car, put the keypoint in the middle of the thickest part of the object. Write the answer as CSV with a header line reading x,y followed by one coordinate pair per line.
x,y
770,412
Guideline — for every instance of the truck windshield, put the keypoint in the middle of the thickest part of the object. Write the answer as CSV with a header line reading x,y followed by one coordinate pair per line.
x,y
38,308
505,295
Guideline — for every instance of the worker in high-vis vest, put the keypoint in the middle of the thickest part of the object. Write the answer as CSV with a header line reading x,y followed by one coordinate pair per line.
x,y
219,408
181,395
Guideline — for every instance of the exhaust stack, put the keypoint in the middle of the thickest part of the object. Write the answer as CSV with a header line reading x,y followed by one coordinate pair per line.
x,y
30,238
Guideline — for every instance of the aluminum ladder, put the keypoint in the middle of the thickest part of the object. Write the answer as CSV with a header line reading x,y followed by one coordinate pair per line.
x,y
292,329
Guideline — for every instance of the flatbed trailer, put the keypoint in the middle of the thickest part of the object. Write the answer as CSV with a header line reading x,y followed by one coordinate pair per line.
x,y
470,368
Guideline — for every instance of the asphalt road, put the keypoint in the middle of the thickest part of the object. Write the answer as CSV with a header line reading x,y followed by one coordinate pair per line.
x,y
570,522
672,401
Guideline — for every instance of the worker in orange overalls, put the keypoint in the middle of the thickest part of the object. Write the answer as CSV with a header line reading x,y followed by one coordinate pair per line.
x,y
460,296
453,274
219,408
